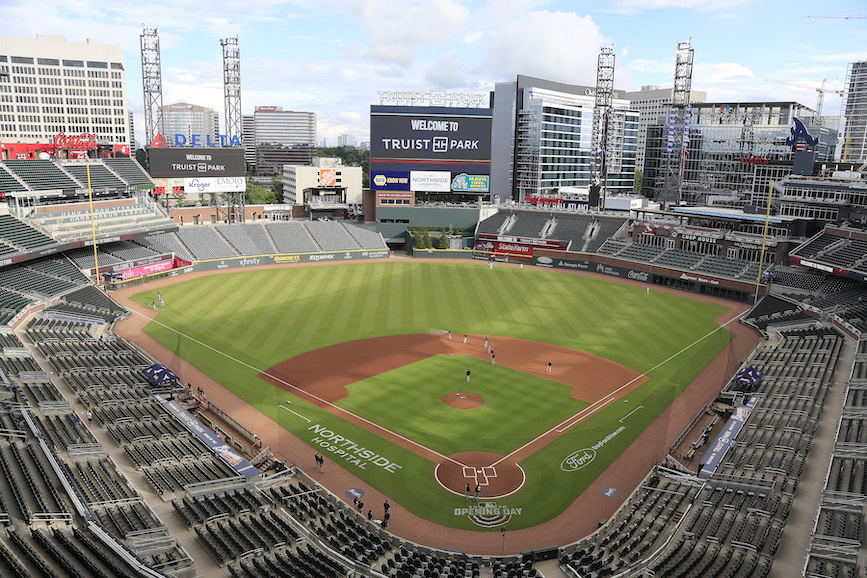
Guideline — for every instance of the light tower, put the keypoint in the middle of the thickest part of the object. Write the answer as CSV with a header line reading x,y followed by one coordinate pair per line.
x,y
678,124
232,88
601,117
234,120
152,84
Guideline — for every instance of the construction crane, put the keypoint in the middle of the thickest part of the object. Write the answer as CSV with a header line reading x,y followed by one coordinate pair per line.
x,y
820,91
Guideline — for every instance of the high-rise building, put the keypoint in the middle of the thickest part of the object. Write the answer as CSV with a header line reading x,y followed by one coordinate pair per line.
x,y
132,141
735,150
346,140
541,139
652,103
191,125
283,138
855,110
50,86
248,137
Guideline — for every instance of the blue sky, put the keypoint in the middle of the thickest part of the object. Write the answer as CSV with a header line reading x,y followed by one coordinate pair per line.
x,y
331,56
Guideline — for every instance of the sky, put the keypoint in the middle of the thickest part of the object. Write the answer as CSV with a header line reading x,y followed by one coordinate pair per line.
x,y
331,57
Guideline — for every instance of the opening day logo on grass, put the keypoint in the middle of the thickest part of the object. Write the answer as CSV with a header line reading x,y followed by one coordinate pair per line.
x,y
345,449
488,514
578,459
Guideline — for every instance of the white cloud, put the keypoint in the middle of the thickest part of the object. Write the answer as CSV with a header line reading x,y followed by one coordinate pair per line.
x,y
447,71
629,7
559,46
398,30
725,72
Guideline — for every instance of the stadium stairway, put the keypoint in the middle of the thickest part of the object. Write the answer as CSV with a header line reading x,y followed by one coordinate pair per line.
x,y
789,558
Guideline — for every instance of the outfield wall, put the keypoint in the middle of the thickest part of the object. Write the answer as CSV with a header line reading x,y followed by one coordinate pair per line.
x,y
636,271
242,262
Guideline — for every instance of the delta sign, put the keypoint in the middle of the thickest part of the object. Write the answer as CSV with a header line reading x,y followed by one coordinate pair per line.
x,y
204,140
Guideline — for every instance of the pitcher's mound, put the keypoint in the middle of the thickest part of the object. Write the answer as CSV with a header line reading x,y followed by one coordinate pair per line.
x,y
463,400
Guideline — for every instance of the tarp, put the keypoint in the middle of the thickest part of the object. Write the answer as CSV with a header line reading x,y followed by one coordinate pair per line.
x,y
209,438
726,438
749,376
159,374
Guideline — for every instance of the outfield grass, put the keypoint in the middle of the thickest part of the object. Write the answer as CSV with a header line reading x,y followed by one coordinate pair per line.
x,y
517,408
261,318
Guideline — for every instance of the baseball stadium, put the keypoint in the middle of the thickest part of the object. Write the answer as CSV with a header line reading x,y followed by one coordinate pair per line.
x,y
556,395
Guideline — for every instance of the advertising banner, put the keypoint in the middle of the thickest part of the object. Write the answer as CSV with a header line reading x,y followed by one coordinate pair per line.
x,y
498,247
390,180
133,272
327,177
231,263
196,162
465,183
209,438
430,133
214,184
430,181
726,438
400,195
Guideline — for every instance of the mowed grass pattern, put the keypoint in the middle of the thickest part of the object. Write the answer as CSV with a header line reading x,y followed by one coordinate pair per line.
x,y
267,316
517,407
261,318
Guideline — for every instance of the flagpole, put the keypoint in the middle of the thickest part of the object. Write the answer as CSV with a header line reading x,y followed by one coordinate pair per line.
x,y
92,224
764,241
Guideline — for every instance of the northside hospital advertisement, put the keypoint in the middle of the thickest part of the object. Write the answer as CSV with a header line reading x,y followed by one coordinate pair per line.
x,y
430,149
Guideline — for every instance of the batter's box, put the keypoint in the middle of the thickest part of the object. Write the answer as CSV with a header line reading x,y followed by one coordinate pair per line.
x,y
480,475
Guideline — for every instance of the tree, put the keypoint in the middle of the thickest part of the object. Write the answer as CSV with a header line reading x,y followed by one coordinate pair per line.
x,y
443,242
141,156
277,186
428,243
179,199
639,179
259,195
417,240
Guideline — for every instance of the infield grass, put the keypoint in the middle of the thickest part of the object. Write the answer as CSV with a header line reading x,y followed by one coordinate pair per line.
x,y
253,320
517,406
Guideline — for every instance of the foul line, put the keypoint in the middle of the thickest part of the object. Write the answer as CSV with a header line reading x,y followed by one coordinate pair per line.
x,y
307,393
295,412
630,413
595,406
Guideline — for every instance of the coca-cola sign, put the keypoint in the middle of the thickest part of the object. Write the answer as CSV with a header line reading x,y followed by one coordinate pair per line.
x,y
82,141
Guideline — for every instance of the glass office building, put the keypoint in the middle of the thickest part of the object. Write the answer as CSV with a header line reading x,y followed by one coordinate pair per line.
x,y
283,138
191,125
727,143
542,134
855,110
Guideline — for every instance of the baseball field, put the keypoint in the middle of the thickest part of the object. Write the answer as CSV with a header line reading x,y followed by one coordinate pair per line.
x,y
357,360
